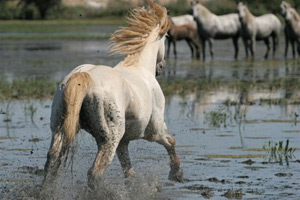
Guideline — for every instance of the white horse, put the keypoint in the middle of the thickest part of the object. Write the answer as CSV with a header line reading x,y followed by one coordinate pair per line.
x,y
292,27
116,105
184,19
211,26
258,28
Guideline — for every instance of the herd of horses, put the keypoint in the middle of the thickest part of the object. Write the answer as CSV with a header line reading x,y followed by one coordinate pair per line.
x,y
204,26
123,103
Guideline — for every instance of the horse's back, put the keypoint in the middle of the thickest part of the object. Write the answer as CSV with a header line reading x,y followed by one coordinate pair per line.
x,y
57,109
184,19
267,24
222,26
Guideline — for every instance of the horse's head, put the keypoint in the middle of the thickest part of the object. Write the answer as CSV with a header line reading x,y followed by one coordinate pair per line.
x,y
242,11
199,11
160,61
291,15
283,8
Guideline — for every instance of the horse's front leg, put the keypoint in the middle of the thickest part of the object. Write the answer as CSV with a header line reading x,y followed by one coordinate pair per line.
x,y
275,39
267,42
191,47
245,41
286,45
174,45
211,48
298,47
293,48
169,143
236,46
169,44
252,46
162,137
203,47
123,156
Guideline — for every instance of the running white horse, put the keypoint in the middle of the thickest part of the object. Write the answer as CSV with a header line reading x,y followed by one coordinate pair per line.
x,y
116,105
292,27
211,26
258,28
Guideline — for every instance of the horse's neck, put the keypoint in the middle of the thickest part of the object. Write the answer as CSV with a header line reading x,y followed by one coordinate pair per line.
x,y
295,23
205,13
146,59
249,16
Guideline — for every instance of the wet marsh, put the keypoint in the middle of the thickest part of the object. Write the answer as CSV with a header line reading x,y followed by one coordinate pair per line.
x,y
225,115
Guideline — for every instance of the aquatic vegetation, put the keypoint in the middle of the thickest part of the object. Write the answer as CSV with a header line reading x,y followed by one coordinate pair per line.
x,y
8,114
217,118
26,88
224,116
234,156
30,110
278,152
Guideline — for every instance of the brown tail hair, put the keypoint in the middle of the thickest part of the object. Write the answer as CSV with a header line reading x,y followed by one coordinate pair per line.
x,y
76,90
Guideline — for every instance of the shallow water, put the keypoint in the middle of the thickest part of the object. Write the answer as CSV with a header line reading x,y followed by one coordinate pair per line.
x,y
258,99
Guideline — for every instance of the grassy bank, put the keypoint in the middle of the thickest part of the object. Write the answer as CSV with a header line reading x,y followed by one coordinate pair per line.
x,y
44,88
29,88
57,29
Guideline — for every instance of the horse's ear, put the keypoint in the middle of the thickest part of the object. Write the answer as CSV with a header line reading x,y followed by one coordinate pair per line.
x,y
193,2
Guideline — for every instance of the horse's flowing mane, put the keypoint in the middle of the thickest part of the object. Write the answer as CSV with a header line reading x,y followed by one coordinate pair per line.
x,y
286,4
132,38
205,11
295,14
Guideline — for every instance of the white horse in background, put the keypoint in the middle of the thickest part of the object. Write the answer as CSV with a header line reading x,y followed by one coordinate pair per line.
x,y
184,19
116,105
292,27
211,26
258,28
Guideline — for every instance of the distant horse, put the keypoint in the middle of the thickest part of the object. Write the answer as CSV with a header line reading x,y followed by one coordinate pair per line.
x,y
116,105
292,27
211,26
258,28
185,32
184,19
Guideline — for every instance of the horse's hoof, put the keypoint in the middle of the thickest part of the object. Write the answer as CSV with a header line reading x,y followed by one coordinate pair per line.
x,y
176,176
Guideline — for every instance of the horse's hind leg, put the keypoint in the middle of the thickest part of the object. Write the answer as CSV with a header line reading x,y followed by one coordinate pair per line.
x,y
196,45
108,128
57,151
123,155
267,42
55,157
106,151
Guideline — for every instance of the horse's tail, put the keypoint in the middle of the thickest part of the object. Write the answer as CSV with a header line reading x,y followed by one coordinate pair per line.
x,y
75,91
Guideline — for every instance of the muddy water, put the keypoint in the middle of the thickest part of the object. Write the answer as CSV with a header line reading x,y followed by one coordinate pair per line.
x,y
220,128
